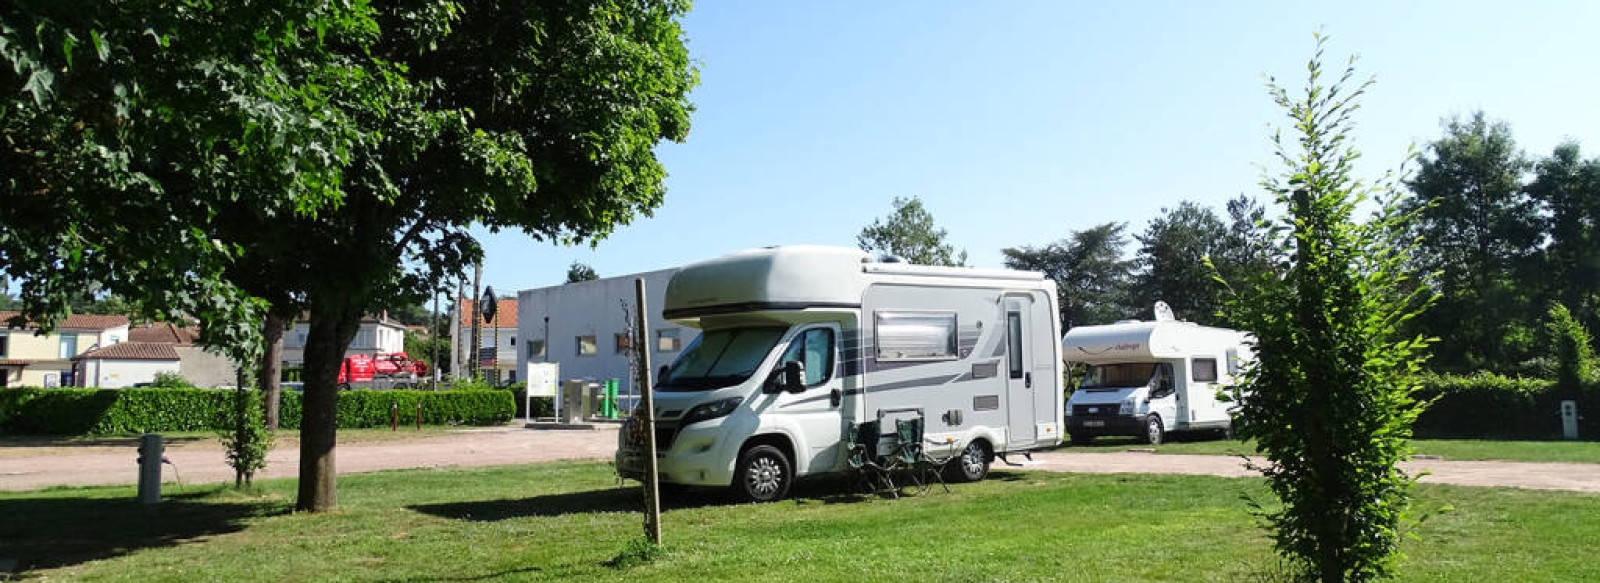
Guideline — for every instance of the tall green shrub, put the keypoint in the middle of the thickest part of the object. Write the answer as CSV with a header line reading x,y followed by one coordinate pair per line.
x,y
1575,359
1325,400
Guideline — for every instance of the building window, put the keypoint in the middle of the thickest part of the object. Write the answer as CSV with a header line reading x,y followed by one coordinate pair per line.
x,y
513,340
915,335
536,348
668,340
69,346
624,342
5,345
1203,370
587,346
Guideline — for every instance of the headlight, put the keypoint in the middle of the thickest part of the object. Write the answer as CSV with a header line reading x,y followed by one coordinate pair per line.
x,y
712,410
1130,406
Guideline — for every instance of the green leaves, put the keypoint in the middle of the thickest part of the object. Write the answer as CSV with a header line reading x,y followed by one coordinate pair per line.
x,y
909,233
1328,399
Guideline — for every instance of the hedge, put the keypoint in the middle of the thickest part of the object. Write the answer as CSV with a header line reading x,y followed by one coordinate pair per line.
x,y
70,411
1490,406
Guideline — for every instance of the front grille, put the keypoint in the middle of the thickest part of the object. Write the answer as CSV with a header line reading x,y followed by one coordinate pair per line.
x,y
664,437
1108,409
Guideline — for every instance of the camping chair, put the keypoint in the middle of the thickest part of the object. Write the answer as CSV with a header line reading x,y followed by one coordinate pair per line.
x,y
912,453
862,451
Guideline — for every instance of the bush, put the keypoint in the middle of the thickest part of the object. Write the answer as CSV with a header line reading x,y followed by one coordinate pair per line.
x,y
1491,406
128,411
170,380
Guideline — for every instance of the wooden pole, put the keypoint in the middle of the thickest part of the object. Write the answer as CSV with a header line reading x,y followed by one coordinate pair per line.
x,y
652,496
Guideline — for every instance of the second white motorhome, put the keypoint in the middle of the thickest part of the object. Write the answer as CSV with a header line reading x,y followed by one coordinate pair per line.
x,y
804,346
1146,379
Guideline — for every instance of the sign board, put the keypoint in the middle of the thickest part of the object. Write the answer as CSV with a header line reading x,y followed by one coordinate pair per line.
x,y
543,378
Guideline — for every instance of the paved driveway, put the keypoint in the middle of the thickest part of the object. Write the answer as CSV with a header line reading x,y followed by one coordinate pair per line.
x,y
31,468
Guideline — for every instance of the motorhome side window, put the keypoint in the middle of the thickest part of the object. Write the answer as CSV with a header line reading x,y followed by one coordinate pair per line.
x,y
1014,342
1203,370
1233,361
915,335
814,349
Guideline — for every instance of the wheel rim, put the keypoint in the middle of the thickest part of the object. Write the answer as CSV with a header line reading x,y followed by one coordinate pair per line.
x,y
972,460
764,477
1154,431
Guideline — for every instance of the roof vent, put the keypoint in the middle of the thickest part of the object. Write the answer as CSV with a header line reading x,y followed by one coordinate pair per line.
x,y
1163,312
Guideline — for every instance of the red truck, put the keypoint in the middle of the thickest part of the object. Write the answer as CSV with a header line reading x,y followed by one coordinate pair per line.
x,y
390,369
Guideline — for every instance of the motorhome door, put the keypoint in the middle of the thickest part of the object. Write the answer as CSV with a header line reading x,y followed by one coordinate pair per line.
x,y
1020,382
818,411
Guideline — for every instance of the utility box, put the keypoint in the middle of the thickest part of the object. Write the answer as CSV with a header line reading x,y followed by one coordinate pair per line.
x,y
151,452
577,401
543,381
1569,419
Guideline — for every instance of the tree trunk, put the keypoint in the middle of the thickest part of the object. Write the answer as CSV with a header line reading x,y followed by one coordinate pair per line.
x,y
331,332
272,366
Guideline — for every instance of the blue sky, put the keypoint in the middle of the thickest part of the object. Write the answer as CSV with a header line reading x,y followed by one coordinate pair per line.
x,y
1019,122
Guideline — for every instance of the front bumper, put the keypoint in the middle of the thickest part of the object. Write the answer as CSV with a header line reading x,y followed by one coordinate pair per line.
x,y
692,456
1097,425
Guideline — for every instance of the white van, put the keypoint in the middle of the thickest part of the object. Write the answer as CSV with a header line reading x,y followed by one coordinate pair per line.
x,y
800,344
1148,378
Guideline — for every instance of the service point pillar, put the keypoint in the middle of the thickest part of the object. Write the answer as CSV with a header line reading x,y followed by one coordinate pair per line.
x,y
151,452
1569,419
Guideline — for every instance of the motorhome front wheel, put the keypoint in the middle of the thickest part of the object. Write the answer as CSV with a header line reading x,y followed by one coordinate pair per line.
x,y
764,474
1153,431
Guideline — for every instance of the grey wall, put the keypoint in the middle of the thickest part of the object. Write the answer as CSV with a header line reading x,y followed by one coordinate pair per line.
x,y
592,307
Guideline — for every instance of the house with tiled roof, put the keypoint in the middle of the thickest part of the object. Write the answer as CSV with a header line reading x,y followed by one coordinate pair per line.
x,y
198,365
497,350
127,364
29,357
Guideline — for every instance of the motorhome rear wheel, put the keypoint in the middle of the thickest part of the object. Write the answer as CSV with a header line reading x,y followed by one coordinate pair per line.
x,y
973,463
764,474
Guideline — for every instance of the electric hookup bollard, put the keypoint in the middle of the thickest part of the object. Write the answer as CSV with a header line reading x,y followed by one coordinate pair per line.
x,y
1569,420
151,454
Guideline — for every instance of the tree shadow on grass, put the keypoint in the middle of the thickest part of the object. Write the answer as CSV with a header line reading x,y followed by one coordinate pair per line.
x,y
48,533
624,499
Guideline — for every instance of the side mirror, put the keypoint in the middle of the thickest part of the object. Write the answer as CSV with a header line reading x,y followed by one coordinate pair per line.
x,y
794,376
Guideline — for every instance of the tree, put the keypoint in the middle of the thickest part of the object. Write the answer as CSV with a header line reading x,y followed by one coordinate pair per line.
x,y
1090,274
909,234
1480,234
401,126
1172,261
1326,400
1569,188
579,272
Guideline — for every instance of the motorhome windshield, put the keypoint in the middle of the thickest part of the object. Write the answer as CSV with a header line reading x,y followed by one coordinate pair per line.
x,y
1116,376
720,358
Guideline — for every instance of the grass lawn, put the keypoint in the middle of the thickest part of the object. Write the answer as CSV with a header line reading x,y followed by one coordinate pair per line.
x,y
1450,449
571,521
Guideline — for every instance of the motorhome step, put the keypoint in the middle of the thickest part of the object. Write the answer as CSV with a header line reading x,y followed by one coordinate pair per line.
x,y
1020,464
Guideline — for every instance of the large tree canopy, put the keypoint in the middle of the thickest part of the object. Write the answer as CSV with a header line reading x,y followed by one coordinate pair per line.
x,y
911,235
223,157
1090,273
1480,236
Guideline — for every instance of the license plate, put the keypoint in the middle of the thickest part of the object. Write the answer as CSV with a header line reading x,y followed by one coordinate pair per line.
x,y
1094,424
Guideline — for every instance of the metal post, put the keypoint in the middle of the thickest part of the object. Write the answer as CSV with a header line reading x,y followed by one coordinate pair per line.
x,y
419,415
652,496
433,342
150,453
394,416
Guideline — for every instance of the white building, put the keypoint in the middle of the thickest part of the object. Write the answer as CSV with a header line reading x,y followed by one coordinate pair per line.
x,y
585,325
378,334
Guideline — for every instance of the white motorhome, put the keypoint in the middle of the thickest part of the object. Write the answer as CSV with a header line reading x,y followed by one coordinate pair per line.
x,y
801,344
1148,378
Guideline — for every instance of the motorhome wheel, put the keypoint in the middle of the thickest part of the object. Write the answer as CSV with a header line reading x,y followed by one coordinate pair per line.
x,y
1153,432
972,464
764,474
